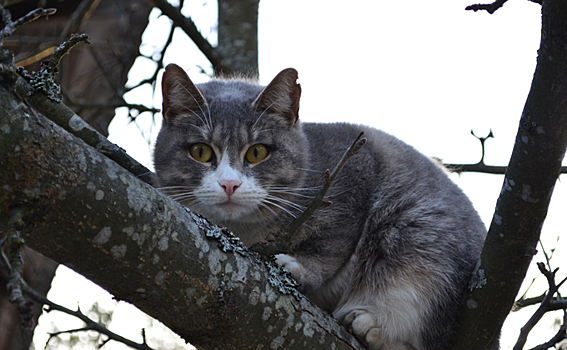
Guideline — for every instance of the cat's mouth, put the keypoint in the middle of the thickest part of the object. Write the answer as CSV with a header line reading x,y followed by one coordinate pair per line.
x,y
232,207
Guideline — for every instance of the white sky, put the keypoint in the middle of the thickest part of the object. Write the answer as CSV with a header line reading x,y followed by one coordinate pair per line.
x,y
426,72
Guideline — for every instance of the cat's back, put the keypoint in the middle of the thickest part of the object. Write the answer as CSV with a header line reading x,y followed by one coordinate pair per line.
x,y
384,158
388,182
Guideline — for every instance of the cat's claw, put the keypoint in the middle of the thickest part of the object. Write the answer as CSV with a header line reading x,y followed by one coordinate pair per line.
x,y
291,265
363,325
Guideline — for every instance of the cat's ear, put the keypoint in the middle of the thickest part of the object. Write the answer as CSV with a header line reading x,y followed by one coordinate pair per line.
x,y
180,95
281,96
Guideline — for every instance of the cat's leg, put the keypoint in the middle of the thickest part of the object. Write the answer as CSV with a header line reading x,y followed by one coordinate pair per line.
x,y
302,274
315,271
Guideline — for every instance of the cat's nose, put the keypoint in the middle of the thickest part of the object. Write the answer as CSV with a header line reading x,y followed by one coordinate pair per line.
x,y
230,186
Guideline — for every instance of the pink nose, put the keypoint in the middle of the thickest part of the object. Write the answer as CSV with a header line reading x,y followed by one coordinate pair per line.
x,y
230,186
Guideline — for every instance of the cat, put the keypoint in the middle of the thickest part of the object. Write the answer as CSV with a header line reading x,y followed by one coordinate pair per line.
x,y
390,258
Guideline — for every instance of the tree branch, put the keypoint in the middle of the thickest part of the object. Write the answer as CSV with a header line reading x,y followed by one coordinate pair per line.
x,y
187,25
490,8
145,248
528,185
10,27
543,308
67,119
289,239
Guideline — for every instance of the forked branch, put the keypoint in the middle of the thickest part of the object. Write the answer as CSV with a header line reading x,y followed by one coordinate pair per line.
x,y
543,308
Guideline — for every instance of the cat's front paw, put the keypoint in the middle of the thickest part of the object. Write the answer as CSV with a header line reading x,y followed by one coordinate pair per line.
x,y
364,326
291,265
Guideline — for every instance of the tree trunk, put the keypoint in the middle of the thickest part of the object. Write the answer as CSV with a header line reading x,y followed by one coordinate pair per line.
x,y
83,210
528,185
238,36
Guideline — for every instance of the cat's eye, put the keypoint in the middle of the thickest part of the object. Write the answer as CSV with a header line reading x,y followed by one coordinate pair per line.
x,y
201,152
256,153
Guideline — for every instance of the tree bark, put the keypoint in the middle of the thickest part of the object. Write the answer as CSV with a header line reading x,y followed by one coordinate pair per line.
x,y
528,185
238,35
83,210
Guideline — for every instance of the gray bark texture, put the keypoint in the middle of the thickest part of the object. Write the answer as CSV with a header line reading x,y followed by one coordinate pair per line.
x,y
83,210
238,35
530,178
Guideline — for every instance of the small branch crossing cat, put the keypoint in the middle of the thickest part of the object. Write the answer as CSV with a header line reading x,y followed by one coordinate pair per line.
x,y
390,259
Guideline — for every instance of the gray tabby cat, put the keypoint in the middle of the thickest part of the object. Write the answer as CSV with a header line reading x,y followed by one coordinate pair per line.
x,y
390,259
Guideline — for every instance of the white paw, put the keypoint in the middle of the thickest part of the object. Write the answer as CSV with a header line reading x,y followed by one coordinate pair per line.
x,y
363,325
290,264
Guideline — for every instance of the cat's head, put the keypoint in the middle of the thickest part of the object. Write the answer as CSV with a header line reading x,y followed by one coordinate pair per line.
x,y
231,150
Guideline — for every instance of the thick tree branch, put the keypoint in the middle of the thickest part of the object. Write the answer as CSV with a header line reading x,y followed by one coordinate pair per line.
x,y
528,185
67,119
143,247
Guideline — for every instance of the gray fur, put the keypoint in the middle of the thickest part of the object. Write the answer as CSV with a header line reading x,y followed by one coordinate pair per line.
x,y
390,258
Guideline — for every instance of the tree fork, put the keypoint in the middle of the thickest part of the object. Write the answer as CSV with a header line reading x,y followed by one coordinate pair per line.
x,y
528,185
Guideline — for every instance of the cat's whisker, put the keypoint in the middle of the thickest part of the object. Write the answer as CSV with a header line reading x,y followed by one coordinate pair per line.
x,y
314,188
285,201
294,194
279,206
310,170
268,208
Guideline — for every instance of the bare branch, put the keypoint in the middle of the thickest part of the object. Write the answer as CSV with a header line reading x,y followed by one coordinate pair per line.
x,y
10,26
63,49
90,325
318,200
481,167
288,240
189,27
490,8
110,104
559,336
543,308
159,62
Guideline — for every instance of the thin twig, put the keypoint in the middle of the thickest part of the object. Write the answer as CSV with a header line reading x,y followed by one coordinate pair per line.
x,y
90,325
543,308
13,264
481,167
289,239
559,336
490,8
63,49
153,78
10,26
189,27
68,120
554,304
329,178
